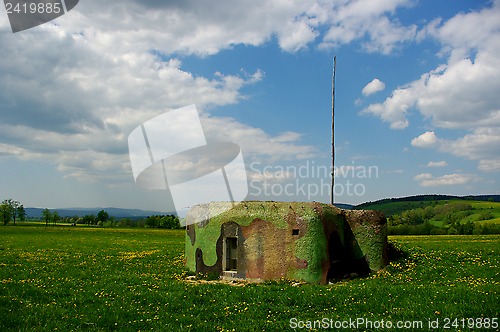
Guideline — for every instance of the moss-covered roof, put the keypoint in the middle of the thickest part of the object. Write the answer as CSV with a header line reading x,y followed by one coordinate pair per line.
x,y
244,213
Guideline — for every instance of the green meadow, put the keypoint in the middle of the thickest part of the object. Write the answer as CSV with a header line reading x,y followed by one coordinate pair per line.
x,y
438,217
462,210
108,279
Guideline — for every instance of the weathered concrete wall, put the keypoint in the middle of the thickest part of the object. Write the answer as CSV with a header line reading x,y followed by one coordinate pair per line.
x,y
368,237
304,241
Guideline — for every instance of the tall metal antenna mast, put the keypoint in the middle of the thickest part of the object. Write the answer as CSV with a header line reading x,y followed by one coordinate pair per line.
x,y
332,200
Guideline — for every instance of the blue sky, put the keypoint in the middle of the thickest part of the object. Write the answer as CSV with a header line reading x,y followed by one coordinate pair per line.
x,y
417,105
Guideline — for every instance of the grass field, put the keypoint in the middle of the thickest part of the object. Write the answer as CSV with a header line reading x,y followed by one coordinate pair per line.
x,y
97,279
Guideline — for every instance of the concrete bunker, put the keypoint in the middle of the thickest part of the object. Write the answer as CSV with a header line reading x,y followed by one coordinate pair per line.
x,y
311,242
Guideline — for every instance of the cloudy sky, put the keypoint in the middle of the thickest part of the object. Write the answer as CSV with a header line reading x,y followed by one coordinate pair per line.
x,y
417,96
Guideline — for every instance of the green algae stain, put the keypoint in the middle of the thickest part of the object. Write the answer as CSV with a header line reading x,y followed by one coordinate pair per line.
x,y
371,245
206,240
190,254
312,247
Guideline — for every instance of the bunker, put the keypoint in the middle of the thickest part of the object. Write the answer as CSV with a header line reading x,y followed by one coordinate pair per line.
x,y
305,241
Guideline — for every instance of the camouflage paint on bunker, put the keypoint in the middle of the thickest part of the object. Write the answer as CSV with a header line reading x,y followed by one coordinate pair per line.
x,y
312,242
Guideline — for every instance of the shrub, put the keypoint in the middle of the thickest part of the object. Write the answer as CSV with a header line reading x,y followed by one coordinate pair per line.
x,y
486,229
466,228
438,231
399,230
486,215
168,221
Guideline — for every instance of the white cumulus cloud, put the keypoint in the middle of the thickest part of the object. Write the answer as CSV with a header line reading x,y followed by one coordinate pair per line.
x,y
84,81
425,140
461,94
369,21
489,165
441,163
428,180
374,86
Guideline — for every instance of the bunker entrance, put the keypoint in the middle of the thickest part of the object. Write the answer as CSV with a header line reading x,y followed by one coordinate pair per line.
x,y
338,258
231,254
342,262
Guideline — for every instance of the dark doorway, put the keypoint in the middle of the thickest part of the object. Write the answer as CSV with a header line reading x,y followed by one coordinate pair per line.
x,y
231,253
338,257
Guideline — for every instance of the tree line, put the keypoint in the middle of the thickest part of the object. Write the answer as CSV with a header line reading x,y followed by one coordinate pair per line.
x,y
456,219
12,211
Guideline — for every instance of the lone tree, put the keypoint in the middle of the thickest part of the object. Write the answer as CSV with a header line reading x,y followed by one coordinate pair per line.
x,y
11,209
5,212
102,216
47,216
55,218
20,213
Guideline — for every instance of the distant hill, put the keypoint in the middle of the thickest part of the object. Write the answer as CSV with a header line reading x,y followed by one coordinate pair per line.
x,y
390,206
344,206
113,212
